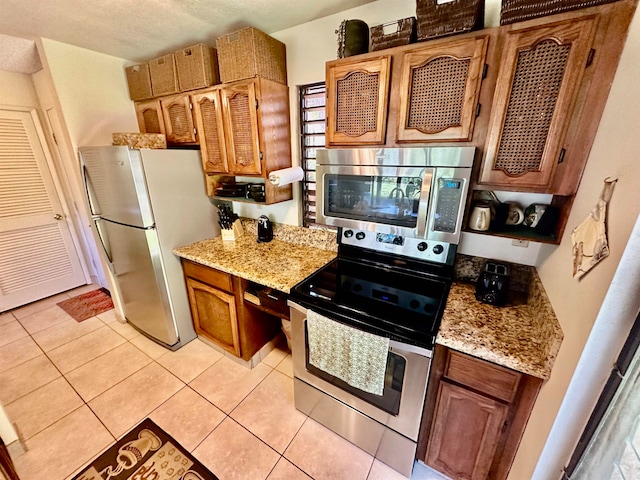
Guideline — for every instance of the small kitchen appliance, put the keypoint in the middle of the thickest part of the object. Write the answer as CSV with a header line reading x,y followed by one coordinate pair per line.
x,y
265,229
493,283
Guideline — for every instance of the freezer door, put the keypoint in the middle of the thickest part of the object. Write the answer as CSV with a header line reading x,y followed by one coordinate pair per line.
x,y
139,272
115,185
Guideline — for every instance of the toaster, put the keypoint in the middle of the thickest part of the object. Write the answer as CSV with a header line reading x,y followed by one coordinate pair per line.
x,y
493,283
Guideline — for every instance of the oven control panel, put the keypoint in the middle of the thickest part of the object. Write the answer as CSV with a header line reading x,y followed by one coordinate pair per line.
x,y
417,248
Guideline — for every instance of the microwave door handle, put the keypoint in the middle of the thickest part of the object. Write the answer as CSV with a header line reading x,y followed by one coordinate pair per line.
x,y
424,205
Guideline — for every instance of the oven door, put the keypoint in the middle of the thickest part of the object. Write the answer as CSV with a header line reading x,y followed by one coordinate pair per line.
x,y
399,407
385,199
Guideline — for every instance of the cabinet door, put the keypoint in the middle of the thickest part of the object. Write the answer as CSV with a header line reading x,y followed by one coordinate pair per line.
x,y
465,433
214,315
357,99
178,121
541,72
150,118
439,92
240,107
207,113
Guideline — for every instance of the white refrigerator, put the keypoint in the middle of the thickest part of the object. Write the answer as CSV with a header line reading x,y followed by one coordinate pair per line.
x,y
143,204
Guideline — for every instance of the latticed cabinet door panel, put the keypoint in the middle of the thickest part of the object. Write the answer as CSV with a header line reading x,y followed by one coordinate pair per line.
x,y
207,113
240,105
357,100
214,315
178,120
540,76
440,86
149,114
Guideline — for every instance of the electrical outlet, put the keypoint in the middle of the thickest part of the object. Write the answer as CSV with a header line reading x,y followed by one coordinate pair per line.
x,y
520,243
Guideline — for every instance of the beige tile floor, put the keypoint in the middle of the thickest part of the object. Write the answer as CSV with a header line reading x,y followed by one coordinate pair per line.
x,y
73,388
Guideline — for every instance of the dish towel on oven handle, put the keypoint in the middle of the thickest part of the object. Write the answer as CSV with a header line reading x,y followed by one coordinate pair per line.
x,y
359,358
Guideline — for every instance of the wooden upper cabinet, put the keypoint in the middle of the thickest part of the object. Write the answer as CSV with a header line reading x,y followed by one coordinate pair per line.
x,y
207,113
538,82
439,90
149,114
240,105
357,101
178,120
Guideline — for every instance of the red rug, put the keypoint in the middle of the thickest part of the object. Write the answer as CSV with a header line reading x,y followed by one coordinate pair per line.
x,y
88,304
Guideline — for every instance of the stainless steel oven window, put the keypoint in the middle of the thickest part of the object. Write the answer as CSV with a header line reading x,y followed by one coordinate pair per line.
x,y
312,99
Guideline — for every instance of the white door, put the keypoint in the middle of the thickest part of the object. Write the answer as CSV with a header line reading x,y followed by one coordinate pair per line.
x,y
37,255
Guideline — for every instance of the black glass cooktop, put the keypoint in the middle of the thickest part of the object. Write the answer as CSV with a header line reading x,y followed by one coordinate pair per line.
x,y
402,304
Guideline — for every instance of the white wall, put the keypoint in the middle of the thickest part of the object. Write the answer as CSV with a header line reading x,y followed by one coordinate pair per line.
x,y
92,91
16,89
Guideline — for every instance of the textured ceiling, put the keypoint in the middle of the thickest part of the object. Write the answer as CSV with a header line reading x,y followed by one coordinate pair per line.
x,y
139,30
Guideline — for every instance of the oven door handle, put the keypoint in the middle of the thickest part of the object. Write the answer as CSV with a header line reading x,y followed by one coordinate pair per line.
x,y
395,345
405,347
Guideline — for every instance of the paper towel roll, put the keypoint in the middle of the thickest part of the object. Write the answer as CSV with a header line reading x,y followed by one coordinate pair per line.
x,y
286,176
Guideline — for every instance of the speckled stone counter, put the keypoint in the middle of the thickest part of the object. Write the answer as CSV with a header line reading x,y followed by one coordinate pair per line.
x,y
278,264
524,336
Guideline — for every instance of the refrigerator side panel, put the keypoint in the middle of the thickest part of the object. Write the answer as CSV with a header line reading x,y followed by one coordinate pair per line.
x,y
137,269
183,215
115,185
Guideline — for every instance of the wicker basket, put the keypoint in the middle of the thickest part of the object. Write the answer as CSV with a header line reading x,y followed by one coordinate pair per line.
x,y
139,82
519,10
405,33
437,18
164,79
251,53
197,67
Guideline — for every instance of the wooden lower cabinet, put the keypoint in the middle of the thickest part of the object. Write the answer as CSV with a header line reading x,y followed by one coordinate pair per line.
x,y
221,315
475,414
214,315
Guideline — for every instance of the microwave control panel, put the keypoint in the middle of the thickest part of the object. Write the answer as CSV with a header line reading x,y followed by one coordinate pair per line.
x,y
448,204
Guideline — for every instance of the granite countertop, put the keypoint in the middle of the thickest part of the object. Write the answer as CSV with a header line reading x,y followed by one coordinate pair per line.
x,y
277,264
524,335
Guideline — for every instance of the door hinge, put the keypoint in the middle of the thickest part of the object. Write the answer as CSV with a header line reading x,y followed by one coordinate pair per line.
x,y
256,103
505,425
55,140
478,108
561,156
190,106
260,155
592,54
485,69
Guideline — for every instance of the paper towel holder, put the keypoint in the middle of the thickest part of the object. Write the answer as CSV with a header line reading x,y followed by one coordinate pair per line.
x,y
286,176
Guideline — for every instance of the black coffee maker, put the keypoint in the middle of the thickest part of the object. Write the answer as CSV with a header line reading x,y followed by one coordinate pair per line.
x,y
265,229
493,283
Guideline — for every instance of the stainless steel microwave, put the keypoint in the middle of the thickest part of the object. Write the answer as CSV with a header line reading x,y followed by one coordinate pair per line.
x,y
410,192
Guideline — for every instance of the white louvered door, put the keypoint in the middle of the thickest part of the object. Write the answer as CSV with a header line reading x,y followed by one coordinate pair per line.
x,y
37,255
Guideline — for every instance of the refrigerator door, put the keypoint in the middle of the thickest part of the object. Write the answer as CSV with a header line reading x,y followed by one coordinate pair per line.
x,y
115,185
138,269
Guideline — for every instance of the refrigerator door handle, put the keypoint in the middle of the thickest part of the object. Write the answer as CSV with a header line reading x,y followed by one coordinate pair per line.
x,y
88,187
104,242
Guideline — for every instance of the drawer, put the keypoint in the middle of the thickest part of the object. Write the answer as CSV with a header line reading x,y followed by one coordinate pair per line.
x,y
208,275
494,380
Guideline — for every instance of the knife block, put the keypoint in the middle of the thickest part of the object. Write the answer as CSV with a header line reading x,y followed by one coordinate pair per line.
x,y
230,234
